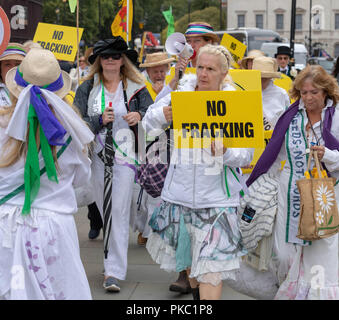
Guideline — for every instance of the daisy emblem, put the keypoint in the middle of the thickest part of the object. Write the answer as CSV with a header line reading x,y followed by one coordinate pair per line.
x,y
319,217
325,198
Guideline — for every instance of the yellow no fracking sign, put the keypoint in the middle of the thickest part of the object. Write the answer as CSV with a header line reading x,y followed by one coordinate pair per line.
x,y
236,117
246,79
61,40
234,46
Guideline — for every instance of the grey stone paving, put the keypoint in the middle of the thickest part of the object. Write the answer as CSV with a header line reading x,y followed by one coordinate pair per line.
x,y
145,280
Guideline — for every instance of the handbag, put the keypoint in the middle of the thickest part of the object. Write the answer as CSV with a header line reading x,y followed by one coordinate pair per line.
x,y
319,217
152,172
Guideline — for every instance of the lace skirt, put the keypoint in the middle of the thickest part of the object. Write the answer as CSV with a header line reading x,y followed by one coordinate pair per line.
x,y
206,240
40,256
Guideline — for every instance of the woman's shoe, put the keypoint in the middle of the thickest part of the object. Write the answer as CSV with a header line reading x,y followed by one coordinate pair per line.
x,y
111,285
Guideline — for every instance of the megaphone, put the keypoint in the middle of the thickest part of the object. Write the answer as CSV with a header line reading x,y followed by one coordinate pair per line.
x,y
176,45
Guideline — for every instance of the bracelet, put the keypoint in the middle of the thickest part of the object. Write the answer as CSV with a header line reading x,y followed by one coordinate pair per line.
x,y
100,120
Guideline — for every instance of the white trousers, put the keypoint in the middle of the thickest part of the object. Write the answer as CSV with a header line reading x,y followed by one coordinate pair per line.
x,y
122,189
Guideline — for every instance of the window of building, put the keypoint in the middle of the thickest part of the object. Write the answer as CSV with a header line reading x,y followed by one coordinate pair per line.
x,y
259,21
337,21
298,22
336,50
279,21
241,20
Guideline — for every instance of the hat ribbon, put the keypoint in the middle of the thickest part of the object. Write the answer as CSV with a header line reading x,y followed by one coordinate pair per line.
x,y
51,132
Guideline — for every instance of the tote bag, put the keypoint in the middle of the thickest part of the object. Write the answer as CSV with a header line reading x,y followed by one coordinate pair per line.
x,y
319,216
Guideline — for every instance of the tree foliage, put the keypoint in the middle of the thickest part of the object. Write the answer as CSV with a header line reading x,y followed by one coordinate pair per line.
x,y
96,16
210,15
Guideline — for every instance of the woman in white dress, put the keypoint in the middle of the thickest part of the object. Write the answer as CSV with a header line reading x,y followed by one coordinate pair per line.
x,y
196,228
43,156
303,270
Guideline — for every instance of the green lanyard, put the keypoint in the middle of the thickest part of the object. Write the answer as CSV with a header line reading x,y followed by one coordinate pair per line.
x,y
42,171
103,104
226,183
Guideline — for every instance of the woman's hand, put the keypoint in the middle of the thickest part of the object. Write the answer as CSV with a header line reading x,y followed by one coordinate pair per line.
x,y
132,118
320,151
217,148
180,66
107,116
168,113
157,86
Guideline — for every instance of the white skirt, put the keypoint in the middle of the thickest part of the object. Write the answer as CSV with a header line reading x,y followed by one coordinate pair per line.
x,y
40,256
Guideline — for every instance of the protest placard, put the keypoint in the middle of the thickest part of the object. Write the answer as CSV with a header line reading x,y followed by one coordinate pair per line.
x,y
61,40
236,48
236,117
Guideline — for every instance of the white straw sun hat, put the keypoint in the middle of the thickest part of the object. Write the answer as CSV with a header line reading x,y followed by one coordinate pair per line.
x,y
267,66
40,68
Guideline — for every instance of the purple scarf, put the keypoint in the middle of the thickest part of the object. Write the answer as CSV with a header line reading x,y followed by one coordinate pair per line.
x,y
51,127
273,148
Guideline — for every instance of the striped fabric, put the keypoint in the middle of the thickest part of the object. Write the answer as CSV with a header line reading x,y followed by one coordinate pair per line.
x,y
262,197
198,29
10,50
107,156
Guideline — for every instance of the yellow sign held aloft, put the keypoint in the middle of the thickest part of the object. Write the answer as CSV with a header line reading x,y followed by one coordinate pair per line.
x,y
236,48
200,116
61,40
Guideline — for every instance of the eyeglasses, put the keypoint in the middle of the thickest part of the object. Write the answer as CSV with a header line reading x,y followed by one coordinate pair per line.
x,y
82,60
282,58
115,56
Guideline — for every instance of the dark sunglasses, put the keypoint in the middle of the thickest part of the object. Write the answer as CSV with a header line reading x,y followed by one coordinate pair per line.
x,y
115,56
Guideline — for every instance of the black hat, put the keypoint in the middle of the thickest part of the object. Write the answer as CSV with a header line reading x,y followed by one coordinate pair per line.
x,y
112,46
283,50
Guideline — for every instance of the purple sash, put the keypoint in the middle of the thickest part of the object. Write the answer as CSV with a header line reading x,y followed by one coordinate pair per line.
x,y
273,148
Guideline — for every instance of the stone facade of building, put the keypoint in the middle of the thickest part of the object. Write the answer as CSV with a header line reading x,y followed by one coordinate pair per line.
x,y
276,15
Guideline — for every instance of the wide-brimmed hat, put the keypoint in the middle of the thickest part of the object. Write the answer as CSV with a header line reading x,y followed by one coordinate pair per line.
x,y
267,66
156,59
283,50
40,68
251,55
112,46
201,29
14,51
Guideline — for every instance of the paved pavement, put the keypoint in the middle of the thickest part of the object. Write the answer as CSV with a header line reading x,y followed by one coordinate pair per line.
x,y
145,280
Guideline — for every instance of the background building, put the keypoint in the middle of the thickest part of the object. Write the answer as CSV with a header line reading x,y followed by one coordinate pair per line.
x,y
276,15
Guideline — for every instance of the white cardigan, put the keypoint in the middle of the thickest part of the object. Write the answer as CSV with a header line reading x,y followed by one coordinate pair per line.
x,y
197,185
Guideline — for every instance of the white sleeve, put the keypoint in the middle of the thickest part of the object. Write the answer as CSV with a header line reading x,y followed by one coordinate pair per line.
x,y
331,159
82,173
164,92
154,119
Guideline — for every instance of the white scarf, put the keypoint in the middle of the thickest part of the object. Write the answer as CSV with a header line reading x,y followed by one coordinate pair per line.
x,y
17,127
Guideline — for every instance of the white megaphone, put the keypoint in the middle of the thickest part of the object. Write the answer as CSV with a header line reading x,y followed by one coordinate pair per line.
x,y
176,45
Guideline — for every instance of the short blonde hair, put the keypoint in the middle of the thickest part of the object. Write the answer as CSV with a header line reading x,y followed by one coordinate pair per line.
x,y
320,79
